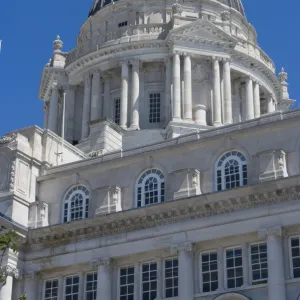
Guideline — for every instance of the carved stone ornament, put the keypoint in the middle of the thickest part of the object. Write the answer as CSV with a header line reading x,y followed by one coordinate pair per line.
x,y
283,76
12,176
225,16
271,231
186,246
7,139
177,8
10,271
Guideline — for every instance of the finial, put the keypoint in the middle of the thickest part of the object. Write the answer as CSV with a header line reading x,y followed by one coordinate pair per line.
x,y
283,76
58,44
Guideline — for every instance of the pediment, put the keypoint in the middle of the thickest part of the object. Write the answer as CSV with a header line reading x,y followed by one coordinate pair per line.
x,y
202,31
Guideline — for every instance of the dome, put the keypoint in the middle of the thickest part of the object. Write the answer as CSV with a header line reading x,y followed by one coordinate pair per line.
x,y
98,4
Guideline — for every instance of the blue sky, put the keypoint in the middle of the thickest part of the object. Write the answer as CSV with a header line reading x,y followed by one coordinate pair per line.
x,y
28,28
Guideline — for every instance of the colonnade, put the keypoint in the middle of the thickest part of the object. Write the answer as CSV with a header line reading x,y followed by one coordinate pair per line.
x,y
97,95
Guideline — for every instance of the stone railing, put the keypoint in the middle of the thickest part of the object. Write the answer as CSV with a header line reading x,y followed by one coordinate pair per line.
x,y
113,37
255,52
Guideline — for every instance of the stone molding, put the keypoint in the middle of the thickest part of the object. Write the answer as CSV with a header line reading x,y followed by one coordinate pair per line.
x,y
7,139
191,137
271,231
186,246
169,213
10,271
104,262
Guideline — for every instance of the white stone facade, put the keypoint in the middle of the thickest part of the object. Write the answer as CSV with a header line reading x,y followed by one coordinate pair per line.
x,y
168,166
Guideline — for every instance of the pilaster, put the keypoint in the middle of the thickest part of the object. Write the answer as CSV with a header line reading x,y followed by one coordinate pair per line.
x,y
276,277
217,111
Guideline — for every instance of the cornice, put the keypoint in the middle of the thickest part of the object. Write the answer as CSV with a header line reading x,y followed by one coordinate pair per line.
x,y
198,207
184,140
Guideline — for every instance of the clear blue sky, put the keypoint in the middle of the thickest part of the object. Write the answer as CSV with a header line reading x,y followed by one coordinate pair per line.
x,y
28,28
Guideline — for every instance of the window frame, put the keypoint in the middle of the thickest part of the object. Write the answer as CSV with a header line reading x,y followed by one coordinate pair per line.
x,y
115,110
225,267
141,276
291,257
142,186
119,281
200,269
253,282
222,169
85,282
123,24
160,107
164,276
65,284
44,286
65,201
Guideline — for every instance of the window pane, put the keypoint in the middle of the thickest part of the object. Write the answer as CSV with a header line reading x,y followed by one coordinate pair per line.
x,y
234,266
50,292
127,282
209,272
171,277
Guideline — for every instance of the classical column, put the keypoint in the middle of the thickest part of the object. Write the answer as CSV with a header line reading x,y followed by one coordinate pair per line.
x,y
46,114
136,281
86,113
217,106
6,290
186,270
188,115
276,274
256,100
221,270
61,288
107,112
168,90
246,264
104,282
53,111
96,101
270,103
81,285
176,88
200,114
227,93
134,123
124,95
31,281
249,99
70,112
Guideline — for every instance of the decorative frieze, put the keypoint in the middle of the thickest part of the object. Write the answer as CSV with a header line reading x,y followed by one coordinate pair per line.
x,y
169,213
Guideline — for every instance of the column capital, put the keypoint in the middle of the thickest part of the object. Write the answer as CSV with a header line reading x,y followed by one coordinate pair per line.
x,y
226,60
10,271
136,64
105,261
176,52
124,62
186,246
216,58
96,71
271,231
32,275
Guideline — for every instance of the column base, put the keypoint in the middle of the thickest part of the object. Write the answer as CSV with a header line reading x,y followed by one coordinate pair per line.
x,y
189,121
175,119
217,124
134,127
124,127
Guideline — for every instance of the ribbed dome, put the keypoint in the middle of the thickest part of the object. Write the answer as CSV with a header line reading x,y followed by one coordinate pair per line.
x,y
98,4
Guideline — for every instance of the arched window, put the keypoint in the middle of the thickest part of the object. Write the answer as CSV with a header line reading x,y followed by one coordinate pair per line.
x,y
150,188
231,171
76,204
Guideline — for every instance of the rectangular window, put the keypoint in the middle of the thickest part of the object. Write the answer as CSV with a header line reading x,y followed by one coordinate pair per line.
x,y
234,267
117,111
123,24
154,108
127,283
91,286
72,288
171,278
259,263
51,290
295,256
209,262
149,281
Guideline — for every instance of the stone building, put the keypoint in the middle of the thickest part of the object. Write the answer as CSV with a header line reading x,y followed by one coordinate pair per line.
x,y
168,166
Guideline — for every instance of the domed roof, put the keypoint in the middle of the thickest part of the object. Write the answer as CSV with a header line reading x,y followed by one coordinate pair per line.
x,y
98,4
